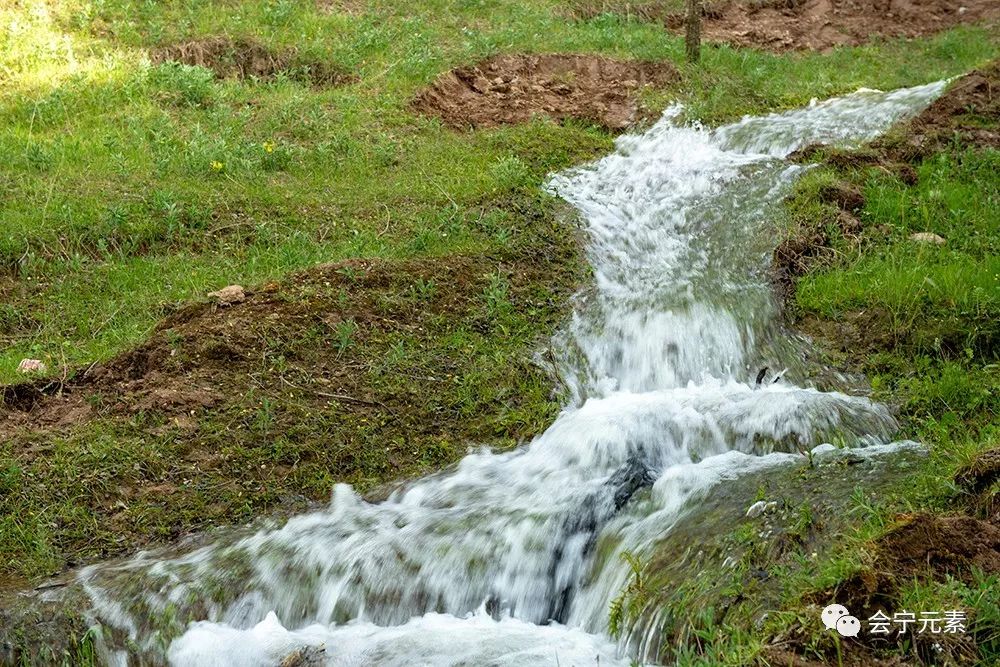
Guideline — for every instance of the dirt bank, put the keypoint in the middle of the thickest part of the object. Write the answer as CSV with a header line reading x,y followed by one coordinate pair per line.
x,y
938,543
782,25
514,88
247,58
364,372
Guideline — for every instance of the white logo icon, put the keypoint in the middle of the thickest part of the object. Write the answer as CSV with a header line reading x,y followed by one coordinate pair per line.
x,y
833,613
848,626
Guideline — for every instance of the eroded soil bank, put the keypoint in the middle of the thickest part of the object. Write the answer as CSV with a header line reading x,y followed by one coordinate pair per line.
x,y
924,533
781,25
922,198
515,88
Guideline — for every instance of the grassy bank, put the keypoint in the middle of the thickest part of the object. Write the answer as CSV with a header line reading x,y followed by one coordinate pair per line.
x,y
918,315
132,189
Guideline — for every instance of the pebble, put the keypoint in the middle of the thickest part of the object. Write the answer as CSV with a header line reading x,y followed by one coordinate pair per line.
x,y
761,507
227,296
31,366
927,237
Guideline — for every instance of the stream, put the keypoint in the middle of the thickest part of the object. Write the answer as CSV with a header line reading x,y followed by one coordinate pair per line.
x,y
512,558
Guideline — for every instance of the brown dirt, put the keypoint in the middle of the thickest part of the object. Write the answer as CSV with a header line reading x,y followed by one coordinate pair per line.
x,y
196,355
249,59
514,88
969,112
922,546
929,543
781,25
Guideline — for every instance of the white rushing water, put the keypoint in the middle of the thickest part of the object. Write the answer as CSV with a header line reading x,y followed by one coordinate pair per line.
x,y
495,562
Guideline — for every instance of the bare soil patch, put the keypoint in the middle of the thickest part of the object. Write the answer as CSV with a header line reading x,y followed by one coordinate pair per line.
x,y
249,59
782,25
940,544
514,88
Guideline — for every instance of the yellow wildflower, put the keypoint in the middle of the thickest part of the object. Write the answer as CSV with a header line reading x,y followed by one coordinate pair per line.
x,y
217,166
268,147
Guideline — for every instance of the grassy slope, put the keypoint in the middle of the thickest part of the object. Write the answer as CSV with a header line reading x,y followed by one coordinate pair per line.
x,y
112,208
921,321
129,189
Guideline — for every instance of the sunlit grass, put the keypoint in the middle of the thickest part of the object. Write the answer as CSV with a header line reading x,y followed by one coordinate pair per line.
x,y
129,187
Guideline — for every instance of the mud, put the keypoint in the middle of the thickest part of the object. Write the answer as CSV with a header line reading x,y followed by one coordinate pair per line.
x,y
940,544
515,88
821,25
249,59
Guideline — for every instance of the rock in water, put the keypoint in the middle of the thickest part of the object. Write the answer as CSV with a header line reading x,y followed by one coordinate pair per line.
x,y
756,509
308,656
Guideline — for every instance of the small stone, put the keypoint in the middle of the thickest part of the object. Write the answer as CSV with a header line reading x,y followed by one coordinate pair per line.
x,y
227,296
308,656
822,449
927,237
756,509
31,366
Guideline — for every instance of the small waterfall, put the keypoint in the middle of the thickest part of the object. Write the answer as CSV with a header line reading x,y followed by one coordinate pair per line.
x,y
495,562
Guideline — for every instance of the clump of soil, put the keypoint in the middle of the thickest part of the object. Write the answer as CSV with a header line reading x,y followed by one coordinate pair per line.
x,y
824,24
514,88
782,25
926,543
249,59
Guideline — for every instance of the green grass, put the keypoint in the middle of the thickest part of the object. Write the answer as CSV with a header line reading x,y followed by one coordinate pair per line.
x,y
933,296
922,323
130,187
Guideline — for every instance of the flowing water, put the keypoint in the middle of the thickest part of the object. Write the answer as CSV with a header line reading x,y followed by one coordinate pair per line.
x,y
510,558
